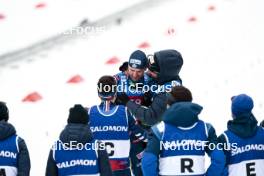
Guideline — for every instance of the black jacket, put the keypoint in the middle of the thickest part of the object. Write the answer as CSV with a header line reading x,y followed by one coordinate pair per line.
x,y
80,133
23,160
170,63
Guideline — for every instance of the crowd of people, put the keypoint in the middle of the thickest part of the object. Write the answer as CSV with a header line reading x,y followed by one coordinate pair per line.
x,y
145,125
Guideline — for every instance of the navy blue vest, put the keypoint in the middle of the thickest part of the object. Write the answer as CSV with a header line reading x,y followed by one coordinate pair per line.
x,y
8,155
78,161
183,149
246,155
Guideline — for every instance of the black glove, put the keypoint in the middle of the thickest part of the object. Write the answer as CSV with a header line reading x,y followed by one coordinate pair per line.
x,y
262,124
147,99
122,99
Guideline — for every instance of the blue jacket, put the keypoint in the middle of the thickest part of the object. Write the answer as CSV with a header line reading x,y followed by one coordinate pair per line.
x,y
23,161
181,114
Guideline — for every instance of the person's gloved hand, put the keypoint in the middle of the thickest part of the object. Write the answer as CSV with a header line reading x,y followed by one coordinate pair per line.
x,y
122,99
147,99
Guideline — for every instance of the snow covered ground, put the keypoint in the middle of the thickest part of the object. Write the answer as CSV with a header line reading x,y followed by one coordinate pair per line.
x,y
222,43
23,23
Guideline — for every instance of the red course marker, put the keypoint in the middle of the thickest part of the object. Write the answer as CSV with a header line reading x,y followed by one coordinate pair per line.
x,y
211,8
2,16
75,79
113,60
40,5
192,19
32,97
144,45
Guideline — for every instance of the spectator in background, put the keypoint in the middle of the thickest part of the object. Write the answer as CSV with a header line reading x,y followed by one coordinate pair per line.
x,y
243,140
14,156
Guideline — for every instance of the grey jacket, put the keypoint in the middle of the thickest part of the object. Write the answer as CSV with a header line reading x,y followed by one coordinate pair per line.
x,y
152,114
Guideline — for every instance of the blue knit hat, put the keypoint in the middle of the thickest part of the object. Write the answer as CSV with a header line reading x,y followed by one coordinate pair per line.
x,y
138,59
241,104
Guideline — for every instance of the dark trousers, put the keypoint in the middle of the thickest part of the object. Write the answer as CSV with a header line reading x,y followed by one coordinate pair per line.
x,y
135,157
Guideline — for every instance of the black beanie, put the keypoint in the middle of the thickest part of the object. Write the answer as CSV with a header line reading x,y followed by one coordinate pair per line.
x,y
179,94
4,114
78,114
